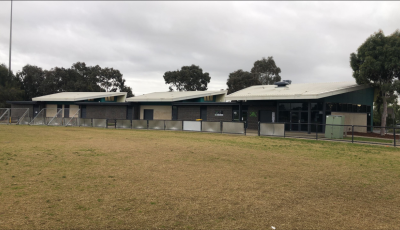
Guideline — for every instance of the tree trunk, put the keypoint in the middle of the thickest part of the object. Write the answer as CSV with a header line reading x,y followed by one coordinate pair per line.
x,y
384,115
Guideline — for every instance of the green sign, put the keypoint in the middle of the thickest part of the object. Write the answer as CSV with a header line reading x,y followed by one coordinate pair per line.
x,y
253,114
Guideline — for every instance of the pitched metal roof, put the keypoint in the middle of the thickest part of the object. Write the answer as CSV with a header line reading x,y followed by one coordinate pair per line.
x,y
78,96
174,96
295,91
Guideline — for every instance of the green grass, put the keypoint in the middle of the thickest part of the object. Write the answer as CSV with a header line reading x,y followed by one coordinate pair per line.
x,y
89,178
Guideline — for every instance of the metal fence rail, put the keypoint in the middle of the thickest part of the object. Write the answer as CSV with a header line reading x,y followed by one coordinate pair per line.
x,y
173,125
156,124
139,124
234,127
99,123
192,126
85,122
123,124
331,132
211,126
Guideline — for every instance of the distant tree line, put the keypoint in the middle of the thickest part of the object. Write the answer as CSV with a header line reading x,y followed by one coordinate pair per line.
x,y
33,81
192,78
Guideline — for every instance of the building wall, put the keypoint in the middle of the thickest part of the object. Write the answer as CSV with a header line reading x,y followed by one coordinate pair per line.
x,y
106,111
252,121
189,113
227,110
354,119
161,112
51,110
72,110
19,110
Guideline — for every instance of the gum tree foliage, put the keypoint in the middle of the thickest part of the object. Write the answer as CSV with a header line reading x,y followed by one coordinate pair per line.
x,y
188,78
377,63
266,71
79,78
10,87
240,79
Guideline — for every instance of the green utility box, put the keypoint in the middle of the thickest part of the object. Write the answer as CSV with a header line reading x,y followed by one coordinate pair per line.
x,y
332,128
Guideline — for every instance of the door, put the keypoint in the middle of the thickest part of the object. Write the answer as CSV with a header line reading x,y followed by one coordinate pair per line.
x,y
148,114
66,111
265,116
83,111
203,113
129,112
36,110
59,107
294,120
174,112
244,116
304,121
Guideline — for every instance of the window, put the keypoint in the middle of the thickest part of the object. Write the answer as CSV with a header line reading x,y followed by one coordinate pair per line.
x,y
316,106
209,98
299,106
284,106
219,113
284,116
90,99
110,98
235,115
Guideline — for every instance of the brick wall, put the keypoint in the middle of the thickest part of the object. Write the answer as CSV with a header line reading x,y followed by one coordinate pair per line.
x,y
106,111
252,122
188,113
227,110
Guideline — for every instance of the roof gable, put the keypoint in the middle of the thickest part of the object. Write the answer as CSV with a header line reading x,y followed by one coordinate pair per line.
x,y
175,96
295,91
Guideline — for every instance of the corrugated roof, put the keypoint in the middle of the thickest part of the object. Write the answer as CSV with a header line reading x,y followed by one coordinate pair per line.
x,y
78,96
295,91
174,96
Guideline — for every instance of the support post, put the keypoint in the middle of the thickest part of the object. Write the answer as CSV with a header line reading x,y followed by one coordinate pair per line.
x,y
259,128
394,136
244,126
316,131
352,134
284,129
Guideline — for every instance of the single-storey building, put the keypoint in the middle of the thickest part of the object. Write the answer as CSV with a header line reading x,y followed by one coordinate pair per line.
x,y
109,105
300,104
297,104
187,105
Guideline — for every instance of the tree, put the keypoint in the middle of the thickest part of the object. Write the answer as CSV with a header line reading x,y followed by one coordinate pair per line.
x,y
240,79
189,78
10,87
377,63
78,78
266,71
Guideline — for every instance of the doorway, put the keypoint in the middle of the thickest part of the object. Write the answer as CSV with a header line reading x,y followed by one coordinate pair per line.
x,y
298,121
148,114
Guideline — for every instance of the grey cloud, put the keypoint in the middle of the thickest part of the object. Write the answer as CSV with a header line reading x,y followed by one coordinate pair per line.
x,y
310,41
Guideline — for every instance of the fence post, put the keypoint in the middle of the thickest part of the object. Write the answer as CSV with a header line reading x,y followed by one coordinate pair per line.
x,y
394,136
284,129
182,125
220,126
316,131
259,128
164,124
115,124
352,134
201,126
244,126
147,121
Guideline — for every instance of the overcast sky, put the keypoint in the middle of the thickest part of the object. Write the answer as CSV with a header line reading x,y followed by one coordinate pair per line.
x,y
310,41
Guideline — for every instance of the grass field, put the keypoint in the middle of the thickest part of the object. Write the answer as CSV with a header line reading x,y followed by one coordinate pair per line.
x,y
58,177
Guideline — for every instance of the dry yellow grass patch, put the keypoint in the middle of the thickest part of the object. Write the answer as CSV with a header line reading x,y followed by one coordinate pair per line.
x,y
58,177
